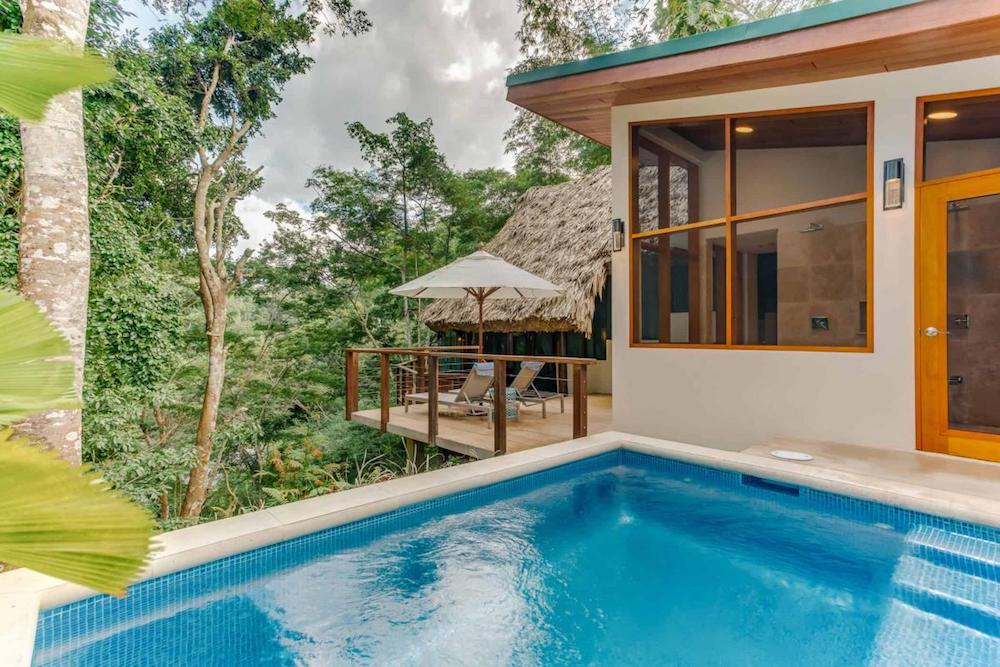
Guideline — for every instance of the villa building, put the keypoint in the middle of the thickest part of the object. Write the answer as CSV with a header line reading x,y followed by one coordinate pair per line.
x,y
834,271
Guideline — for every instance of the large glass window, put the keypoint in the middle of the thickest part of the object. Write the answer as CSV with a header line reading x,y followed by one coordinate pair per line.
x,y
785,159
801,279
682,286
960,135
681,174
762,239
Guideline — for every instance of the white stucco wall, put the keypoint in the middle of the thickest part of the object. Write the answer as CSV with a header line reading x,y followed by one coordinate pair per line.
x,y
737,398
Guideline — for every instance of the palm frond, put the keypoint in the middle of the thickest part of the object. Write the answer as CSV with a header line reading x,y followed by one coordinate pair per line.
x,y
33,71
66,522
31,381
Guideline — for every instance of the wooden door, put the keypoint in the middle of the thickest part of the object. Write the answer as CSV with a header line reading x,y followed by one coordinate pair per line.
x,y
958,317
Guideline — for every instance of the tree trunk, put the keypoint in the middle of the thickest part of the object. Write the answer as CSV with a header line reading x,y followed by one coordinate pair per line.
x,y
200,480
406,247
54,244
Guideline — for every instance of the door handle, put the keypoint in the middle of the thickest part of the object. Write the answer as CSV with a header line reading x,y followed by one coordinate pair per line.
x,y
931,332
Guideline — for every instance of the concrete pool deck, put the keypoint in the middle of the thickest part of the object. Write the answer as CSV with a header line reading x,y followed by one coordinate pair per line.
x,y
964,492
934,471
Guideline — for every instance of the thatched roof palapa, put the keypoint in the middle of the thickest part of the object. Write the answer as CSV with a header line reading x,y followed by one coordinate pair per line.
x,y
561,233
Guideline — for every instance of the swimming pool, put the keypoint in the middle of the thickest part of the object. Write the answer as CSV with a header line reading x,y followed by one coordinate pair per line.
x,y
618,559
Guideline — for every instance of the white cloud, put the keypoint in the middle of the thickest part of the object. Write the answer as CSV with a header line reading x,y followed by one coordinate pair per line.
x,y
491,56
251,212
461,71
444,59
456,7
415,60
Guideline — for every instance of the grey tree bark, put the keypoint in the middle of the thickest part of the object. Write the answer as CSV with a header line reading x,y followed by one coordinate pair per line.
x,y
54,244
212,199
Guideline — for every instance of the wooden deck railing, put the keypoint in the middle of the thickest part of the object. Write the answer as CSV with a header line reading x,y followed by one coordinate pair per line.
x,y
421,370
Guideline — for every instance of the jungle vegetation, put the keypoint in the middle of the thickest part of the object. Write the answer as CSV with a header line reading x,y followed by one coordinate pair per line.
x,y
212,381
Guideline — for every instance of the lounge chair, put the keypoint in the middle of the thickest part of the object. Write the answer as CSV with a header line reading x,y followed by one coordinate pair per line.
x,y
527,394
469,398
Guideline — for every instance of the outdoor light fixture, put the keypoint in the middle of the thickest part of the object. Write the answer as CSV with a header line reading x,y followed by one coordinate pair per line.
x,y
743,129
617,234
892,184
942,115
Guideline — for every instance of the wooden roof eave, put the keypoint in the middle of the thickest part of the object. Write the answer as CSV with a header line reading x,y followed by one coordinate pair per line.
x,y
927,33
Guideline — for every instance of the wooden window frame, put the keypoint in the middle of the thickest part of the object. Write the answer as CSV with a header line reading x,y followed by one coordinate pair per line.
x,y
731,219
918,147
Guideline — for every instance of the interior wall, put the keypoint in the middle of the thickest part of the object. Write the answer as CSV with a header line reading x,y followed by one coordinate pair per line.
x,y
947,158
737,398
770,178
822,274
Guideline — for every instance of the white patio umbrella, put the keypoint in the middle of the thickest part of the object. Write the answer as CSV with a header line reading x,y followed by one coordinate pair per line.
x,y
479,276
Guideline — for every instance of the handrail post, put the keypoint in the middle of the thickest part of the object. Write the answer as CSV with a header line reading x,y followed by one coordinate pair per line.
x,y
350,383
499,407
579,401
384,391
432,400
419,380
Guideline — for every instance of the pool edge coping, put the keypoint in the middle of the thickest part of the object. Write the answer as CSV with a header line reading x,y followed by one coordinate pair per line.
x,y
24,593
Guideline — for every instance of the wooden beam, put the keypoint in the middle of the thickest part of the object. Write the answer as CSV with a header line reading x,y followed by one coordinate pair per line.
x,y
412,350
420,379
634,249
663,264
516,357
350,383
579,401
499,407
384,391
719,293
432,400
562,377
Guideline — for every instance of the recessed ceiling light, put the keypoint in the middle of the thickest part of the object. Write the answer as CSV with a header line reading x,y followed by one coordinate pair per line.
x,y
743,129
942,115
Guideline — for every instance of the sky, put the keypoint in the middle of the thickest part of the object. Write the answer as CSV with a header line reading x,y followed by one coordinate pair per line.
x,y
444,59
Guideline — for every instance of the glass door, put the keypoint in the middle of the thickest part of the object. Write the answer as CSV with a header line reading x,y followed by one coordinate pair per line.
x,y
959,317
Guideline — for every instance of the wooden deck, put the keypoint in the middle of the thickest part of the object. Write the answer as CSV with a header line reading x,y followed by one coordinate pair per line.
x,y
471,436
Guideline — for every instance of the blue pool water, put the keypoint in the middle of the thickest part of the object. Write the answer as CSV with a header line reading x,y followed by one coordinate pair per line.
x,y
621,559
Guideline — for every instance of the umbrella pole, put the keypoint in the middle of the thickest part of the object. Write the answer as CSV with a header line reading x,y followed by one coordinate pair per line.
x,y
479,299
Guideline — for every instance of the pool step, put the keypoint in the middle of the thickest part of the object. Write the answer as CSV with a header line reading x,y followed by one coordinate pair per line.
x,y
912,637
945,609
952,594
971,555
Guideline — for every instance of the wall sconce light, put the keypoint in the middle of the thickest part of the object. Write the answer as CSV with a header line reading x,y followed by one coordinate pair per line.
x,y
892,184
617,234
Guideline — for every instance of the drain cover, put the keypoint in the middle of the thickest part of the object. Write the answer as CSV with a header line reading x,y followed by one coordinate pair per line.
x,y
789,455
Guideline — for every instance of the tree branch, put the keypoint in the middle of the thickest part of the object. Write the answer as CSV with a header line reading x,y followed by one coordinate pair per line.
x,y
116,168
238,271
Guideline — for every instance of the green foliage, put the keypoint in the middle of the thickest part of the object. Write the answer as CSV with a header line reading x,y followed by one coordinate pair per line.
x,y
683,18
55,518
31,380
35,71
320,284
68,523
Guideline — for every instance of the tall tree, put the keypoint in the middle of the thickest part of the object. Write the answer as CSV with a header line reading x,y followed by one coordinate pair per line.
x,y
54,244
231,64
407,179
682,18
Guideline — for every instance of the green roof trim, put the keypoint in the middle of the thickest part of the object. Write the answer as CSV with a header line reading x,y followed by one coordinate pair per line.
x,y
800,20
